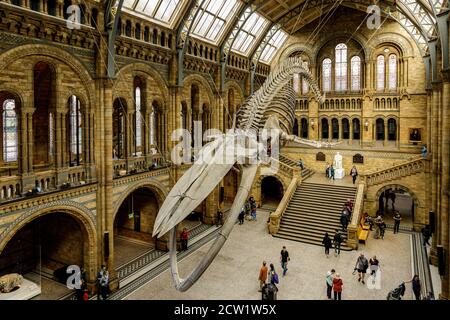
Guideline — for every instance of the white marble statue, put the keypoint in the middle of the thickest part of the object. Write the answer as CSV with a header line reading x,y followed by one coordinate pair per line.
x,y
339,171
338,161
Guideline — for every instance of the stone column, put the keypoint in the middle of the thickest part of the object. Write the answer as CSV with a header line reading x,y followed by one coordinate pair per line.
x,y
445,172
435,172
23,160
385,132
30,141
350,138
58,140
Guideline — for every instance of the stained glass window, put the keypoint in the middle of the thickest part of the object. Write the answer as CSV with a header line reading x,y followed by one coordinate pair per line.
x,y
392,72
326,75
341,67
9,118
380,72
305,84
296,82
356,73
138,117
75,129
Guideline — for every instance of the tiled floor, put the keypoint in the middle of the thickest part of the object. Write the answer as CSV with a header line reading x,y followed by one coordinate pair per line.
x,y
234,272
50,289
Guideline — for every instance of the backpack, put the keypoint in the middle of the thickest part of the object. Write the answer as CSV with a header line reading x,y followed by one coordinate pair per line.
x,y
275,278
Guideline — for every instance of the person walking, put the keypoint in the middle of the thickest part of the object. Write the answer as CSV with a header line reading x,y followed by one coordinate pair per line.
x,y
184,239
262,276
253,213
344,220
337,287
284,259
426,234
327,171
103,283
241,217
300,164
354,174
219,217
332,173
273,275
329,281
397,219
374,265
326,241
337,239
416,286
424,151
361,265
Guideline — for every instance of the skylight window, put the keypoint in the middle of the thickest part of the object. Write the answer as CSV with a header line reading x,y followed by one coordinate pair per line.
x,y
212,18
160,10
275,43
251,31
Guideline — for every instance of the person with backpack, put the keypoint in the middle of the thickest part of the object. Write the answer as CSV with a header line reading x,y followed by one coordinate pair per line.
x,y
362,264
329,281
284,259
326,241
416,286
337,239
337,287
273,275
344,220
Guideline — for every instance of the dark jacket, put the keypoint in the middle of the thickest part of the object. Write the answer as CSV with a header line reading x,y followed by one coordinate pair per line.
x,y
326,241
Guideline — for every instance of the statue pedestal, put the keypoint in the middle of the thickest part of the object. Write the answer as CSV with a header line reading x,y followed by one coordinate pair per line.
x,y
339,173
26,291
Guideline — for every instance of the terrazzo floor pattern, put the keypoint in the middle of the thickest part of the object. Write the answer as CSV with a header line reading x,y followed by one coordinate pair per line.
x,y
233,275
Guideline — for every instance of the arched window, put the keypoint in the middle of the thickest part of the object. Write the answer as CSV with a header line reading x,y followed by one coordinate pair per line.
x,y
392,129
75,131
325,132
356,73
326,75
392,72
335,128
296,82
295,128
305,84
380,129
9,124
304,128
356,129
341,67
345,129
119,129
137,92
152,126
380,72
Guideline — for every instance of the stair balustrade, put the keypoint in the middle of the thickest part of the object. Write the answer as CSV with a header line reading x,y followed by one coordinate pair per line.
x,y
395,172
354,228
275,217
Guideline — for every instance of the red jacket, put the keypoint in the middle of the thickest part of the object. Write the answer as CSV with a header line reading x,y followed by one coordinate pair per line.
x,y
185,235
337,285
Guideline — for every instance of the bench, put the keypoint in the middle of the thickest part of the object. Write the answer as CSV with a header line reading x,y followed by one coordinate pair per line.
x,y
364,232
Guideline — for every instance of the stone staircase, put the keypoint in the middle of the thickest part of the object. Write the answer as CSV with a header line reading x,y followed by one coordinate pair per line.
x,y
306,173
313,210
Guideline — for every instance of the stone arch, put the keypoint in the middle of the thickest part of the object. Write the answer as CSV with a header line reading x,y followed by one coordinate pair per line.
x,y
202,82
403,187
277,176
294,48
400,41
143,70
82,215
60,55
155,186
358,38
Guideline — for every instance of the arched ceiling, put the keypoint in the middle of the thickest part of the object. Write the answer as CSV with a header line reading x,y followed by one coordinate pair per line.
x,y
258,28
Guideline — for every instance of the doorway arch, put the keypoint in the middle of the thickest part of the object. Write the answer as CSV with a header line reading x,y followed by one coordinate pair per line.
x,y
272,191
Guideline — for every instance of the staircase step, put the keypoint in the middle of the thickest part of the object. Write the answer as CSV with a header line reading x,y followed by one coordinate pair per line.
x,y
313,210
303,239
